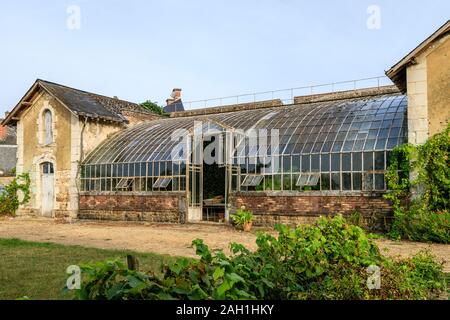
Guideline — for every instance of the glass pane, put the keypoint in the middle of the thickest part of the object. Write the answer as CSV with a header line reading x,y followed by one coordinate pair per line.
x,y
335,162
305,164
359,145
357,181
313,180
368,181
381,144
277,182
302,180
368,161
286,164
287,182
137,170
325,181
176,169
392,143
379,160
315,163
357,162
335,181
295,164
325,162
370,144
346,162
379,181
337,146
346,181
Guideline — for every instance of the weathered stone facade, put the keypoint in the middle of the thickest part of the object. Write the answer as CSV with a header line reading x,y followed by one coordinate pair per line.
x,y
73,137
438,86
425,75
32,152
150,207
294,208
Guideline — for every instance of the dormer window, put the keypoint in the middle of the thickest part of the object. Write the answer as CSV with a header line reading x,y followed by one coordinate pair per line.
x,y
48,127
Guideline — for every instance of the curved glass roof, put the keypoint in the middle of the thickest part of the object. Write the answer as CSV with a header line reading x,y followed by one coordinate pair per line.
x,y
363,124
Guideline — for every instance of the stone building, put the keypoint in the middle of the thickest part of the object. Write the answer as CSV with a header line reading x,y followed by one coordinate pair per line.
x,y
56,127
424,75
286,161
8,153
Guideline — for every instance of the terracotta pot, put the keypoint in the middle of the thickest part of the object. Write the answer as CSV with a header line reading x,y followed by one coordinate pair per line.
x,y
247,226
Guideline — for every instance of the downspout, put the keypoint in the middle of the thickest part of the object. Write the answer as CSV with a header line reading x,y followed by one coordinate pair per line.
x,y
81,155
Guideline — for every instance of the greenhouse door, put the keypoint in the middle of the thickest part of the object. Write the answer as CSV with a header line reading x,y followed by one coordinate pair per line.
x,y
214,179
195,194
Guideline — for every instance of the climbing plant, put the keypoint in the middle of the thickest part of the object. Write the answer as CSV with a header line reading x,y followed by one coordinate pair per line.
x,y
418,178
15,194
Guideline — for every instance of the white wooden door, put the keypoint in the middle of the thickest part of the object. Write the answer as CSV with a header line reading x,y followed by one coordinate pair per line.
x,y
47,189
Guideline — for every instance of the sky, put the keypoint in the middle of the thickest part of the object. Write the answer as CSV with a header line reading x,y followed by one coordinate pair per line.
x,y
140,50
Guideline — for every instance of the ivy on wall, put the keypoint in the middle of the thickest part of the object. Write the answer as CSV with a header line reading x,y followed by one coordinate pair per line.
x,y
15,194
419,182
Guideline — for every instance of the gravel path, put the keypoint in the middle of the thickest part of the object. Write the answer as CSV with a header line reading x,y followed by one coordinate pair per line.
x,y
165,238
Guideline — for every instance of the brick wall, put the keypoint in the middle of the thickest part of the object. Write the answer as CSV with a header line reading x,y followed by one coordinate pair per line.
x,y
154,207
292,209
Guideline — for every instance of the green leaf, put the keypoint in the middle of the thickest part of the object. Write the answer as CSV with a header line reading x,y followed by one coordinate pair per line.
x,y
218,273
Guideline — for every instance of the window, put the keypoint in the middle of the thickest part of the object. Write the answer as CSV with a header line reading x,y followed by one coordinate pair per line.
x,y
124,183
161,183
47,168
252,181
310,180
48,127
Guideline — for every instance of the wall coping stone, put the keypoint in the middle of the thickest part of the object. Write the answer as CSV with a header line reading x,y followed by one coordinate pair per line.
x,y
133,193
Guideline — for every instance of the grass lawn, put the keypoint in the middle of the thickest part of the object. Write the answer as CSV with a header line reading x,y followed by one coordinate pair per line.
x,y
37,270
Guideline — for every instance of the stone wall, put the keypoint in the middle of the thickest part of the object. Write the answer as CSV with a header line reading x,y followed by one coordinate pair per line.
x,y
438,75
428,81
292,208
151,207
417,101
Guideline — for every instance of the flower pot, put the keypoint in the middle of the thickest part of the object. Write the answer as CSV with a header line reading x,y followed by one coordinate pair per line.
x,y
247,226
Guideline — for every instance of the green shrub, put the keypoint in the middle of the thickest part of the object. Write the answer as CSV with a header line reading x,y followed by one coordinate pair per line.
x,y
154,107
328,260
421,206
242,216
9,199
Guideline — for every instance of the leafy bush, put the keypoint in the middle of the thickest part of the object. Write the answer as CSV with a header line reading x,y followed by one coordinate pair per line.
x,y
154,107
328,260
9,199
421,205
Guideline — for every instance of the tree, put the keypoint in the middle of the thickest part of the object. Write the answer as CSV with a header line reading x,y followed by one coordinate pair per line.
x,y
154,107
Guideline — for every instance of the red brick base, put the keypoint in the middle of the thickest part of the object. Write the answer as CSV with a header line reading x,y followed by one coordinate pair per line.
x,y
155,207
268,208
291,208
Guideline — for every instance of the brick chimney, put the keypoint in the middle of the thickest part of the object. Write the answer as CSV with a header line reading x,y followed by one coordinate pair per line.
x,y
174,97
3,132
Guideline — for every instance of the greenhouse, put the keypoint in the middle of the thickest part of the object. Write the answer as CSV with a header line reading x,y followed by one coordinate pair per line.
x,y
337,148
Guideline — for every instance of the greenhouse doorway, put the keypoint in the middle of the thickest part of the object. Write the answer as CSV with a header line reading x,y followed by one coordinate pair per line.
x,y
213,180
